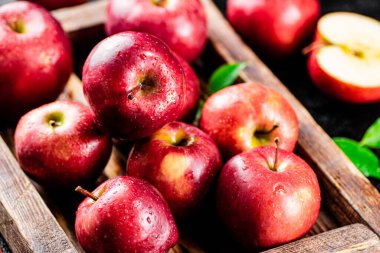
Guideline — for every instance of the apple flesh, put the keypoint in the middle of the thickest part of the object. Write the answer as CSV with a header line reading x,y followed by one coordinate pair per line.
x,y
129,215
35,61
345,61
56,4
277,28
248,115
180,161
134,84
60,146
180,24
265,202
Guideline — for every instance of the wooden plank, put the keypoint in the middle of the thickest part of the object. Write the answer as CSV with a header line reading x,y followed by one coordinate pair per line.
x,y
25,221
351,196
351,238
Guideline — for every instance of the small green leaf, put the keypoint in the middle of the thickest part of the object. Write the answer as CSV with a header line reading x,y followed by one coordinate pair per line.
x,y
224,76
363,158
199,111
371,137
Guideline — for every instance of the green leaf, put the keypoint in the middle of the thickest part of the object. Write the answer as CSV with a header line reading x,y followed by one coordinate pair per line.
x,y
224,76
199,111
363,158
371,137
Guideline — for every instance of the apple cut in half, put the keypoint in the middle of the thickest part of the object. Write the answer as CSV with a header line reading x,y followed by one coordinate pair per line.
x,y
345,61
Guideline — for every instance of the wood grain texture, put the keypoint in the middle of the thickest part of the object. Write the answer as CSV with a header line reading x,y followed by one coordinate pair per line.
x,y
351,238
25,221
351,196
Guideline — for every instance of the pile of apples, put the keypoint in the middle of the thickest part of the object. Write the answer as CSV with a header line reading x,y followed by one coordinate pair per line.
x,y
141,89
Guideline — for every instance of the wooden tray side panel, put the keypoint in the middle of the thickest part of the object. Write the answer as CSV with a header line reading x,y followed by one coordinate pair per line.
x,y
25,221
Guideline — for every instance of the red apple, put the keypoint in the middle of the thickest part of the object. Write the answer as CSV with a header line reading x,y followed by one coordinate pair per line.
x,y
181,161
344,61
266,199
180,24
192,93
60,146
275,27
134,84
35,59
55,4
248,115
125,214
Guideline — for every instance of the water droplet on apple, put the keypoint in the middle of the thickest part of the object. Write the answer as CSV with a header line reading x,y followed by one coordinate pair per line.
x,y
148,220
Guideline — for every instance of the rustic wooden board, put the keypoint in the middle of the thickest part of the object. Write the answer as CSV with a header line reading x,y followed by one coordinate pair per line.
x,y
351,238
25,221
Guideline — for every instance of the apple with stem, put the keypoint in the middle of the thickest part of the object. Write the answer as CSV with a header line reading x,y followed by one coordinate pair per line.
x,y
267,196
134,84
248,115
35,59
182,25
180,161
344,59
125,214
60,146
277,28
55,4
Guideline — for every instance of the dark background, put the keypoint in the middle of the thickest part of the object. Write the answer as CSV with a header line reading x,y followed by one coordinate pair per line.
x,y
337,118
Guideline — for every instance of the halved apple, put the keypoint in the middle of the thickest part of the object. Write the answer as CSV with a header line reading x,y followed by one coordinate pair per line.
x,y
345,62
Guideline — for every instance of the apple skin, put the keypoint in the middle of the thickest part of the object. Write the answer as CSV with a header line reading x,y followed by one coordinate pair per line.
x,y
232,117
180,24
264,208
277,28
180,161
129,216
337,88
56,4
34,65
72,152
138,64
193,92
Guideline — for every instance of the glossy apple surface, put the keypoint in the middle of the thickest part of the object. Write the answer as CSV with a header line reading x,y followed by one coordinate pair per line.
x,y
277,28
130,215
264,204
248,115
35,59
180,24
180,161
60,146
345,62
192,93
55,4
134,84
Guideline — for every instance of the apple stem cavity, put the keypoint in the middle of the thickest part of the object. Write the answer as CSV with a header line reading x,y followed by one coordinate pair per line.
x,y
17,26
159,3
276,143
265,132
86,193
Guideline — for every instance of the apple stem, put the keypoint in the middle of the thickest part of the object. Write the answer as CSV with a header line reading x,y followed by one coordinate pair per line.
x,y
132,92
276,141
86,193
54,123
313,46
275,126
159,2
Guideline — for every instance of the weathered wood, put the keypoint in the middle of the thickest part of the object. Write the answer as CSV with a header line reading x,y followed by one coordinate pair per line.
x,y
351,196
25,221
351,238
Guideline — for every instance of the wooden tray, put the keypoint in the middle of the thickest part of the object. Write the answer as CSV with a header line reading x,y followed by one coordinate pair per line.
x,y
32,220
